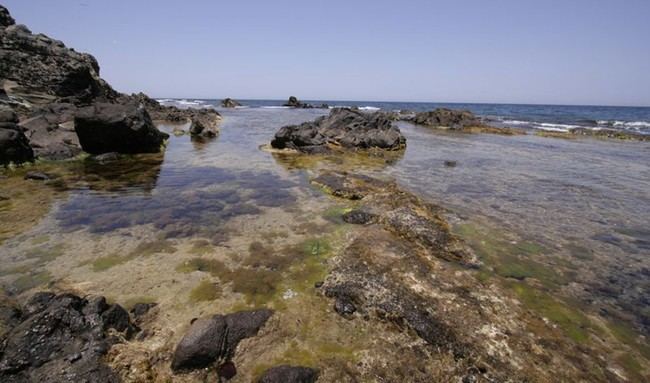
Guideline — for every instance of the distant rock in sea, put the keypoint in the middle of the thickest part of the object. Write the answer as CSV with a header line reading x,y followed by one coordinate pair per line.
x,y
229,103
458,120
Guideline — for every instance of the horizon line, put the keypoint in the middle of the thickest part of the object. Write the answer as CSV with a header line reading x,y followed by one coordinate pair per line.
x,y
410,102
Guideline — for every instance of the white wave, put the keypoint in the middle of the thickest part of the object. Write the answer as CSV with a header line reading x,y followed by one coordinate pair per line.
x,y
516,122
369,108
556,127
275,107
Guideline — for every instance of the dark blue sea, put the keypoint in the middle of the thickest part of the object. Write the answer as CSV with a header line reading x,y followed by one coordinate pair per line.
x,y
546,117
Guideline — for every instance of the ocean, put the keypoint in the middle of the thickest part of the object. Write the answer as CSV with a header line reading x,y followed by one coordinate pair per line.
x,y
543,117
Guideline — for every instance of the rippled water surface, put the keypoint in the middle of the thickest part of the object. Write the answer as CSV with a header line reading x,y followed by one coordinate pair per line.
x,y
224,221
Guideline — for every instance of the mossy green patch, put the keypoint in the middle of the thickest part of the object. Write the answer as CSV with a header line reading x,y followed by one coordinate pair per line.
x,y
205,291
29,281
153,247
40,239
626,334
518,268
201,247
46,253
109,261
573,322
212,266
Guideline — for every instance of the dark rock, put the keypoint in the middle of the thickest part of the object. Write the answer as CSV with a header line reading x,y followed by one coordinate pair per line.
x,y
449,118
295,103
227,370
344,306
450,164
104,128
198,129
213,338
5,18
61,339
141,309
318,284
37,176
358,217
229,103
344,128
50,130
14,145
289,374
44,70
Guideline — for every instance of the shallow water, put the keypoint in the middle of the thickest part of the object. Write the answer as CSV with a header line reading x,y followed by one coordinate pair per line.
x,y
213,226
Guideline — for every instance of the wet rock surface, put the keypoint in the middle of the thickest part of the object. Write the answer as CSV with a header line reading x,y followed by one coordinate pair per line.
x,y
458,120
214,338
14,145
104,128
289,374
63,338
342,129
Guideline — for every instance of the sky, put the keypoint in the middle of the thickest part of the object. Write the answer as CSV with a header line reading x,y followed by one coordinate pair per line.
x,y
512,51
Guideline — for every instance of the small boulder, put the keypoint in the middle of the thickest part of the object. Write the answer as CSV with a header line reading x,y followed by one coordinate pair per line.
x,y
198,129
216,337
105,127
37,176
289,374
358,217
229,103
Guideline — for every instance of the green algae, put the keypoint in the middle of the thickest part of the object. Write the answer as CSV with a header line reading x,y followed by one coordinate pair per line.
x,y
201,247
109,261
153,247
212,266
29,281
573,322
40,239
46,253
205,291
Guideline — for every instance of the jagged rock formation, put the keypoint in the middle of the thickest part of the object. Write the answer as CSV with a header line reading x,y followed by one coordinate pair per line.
x,y
229,103
342,129
61,338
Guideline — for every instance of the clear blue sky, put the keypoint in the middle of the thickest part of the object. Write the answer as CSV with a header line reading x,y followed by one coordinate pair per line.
x,y
518,51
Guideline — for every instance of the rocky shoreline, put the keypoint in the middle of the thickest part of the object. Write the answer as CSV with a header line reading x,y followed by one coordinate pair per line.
x,y
397,295
46,85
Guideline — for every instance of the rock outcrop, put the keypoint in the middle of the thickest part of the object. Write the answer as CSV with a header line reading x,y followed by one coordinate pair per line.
x,y
104,128
229,103
458,120
62,338
216,338
45,83
14,146
293,102
342,129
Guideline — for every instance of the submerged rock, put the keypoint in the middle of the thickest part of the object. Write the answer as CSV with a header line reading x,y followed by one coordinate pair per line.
x,y
343,128
198,129
229,103
104,128
358,217
62,338
289,374
216,337
14,145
